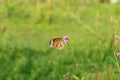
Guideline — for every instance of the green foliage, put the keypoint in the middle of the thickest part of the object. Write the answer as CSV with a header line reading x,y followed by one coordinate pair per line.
x,y
26,27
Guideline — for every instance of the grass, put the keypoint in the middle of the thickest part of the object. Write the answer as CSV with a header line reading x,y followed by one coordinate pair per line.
x,y
27,27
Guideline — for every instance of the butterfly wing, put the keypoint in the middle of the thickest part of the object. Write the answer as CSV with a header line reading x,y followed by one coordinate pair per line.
x,y
60,45
57,43
51,43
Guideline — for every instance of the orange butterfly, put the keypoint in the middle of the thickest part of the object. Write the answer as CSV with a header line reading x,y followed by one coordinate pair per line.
x,y
58,43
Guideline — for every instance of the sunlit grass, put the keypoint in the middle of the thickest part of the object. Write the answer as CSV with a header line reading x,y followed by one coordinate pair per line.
x,y
27,27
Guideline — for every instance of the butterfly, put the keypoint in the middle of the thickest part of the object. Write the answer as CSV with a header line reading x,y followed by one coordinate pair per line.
x,y
58,43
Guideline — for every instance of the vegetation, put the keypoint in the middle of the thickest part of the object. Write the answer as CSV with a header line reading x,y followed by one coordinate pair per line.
x,y
26,27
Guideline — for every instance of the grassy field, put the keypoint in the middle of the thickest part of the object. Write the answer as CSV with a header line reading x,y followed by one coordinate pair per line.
x,y
27,27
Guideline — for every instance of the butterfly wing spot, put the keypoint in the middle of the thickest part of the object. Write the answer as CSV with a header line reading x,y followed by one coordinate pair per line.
x,y
51,43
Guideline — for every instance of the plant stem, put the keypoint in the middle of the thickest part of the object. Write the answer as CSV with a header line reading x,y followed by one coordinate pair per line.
x,y
116,61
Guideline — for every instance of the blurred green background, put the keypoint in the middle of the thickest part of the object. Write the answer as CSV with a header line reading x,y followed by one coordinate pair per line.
x,y
27,26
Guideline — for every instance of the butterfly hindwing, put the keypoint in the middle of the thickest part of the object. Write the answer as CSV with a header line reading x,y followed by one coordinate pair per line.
x,y
60,45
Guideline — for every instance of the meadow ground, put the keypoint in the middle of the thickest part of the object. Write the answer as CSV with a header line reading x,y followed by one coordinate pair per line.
x,y
27,27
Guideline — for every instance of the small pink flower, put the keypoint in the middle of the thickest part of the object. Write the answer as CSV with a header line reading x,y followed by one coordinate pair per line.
x,y
66,75
118,54
66,39
117,37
